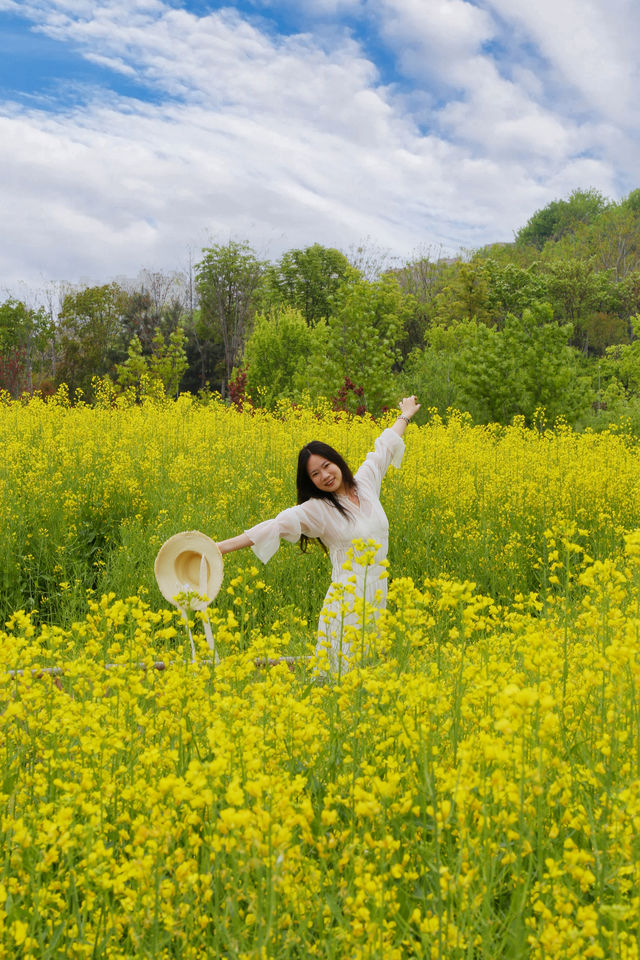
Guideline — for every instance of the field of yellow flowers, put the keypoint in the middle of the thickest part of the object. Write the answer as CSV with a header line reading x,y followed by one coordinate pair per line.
x,y
471,789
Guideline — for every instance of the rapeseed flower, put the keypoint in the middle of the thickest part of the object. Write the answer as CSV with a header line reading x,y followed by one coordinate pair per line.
x,y
470,786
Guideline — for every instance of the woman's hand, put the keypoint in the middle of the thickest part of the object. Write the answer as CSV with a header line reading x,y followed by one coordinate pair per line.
x,y
409,406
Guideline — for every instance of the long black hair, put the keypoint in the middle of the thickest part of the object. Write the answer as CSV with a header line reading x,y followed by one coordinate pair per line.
x,y
307,489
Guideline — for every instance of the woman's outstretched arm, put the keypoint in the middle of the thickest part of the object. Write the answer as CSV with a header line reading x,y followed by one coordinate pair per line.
x,y
408,406
234,543
305,518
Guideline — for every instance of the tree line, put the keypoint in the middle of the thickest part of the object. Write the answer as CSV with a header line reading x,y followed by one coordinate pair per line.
x,y
549,322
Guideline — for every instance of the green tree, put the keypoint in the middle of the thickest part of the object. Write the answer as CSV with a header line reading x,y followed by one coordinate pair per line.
x,y
577,291
90,334
276,356
422,280
614,239
432,372
513,289
465,296
205,353
168,361
24,333
360,344
164,368
561,217
139,319
155,300
603,328
306,280
622,362
131,373
526,366
227,280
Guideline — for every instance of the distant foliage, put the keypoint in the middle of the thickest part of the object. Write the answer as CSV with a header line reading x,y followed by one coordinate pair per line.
x,y
546,320
163,368
24,334
227,279
306,281
277,357
361,341
525,367
561,217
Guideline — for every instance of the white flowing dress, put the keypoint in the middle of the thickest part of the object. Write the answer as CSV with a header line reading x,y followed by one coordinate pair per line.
x,y
368,522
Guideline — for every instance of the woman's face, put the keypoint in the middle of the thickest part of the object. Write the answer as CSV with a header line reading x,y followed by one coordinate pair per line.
x,y
324,474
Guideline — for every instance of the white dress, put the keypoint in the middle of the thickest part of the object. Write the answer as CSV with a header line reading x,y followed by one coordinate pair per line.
x,y
368,522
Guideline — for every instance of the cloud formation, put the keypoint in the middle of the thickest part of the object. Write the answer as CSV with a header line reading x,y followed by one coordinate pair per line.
x,y
285,138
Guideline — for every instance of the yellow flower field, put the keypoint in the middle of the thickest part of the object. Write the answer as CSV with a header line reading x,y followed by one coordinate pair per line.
x,y
470,790
87,495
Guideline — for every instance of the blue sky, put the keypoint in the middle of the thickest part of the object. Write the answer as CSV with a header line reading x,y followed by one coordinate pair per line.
x,y
134,133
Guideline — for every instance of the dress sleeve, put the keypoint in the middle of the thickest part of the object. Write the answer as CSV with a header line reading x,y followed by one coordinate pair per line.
x,y
389,448
305,518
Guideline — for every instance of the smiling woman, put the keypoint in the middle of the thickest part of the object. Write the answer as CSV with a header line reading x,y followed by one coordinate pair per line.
x,y
344,513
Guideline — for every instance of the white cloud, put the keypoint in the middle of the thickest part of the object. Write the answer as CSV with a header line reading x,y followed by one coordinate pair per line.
x,y
538,111
590,45
305,9
284,142
433,36
112,63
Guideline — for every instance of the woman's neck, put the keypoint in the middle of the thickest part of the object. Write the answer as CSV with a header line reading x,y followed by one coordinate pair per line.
x,y
350,492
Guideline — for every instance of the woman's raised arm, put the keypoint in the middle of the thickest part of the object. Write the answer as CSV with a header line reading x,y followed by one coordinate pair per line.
x,y
388,450
408,406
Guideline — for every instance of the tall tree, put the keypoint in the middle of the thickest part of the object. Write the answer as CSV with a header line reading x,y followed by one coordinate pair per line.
x,y
525,366
277,355
614,239
465,296
576,292
360,345
156,300
168,362
23,336
622,362
165,366
306,280
561,217
205,353
513,289
139,319
227,280
166,291
90,334
431,372
422,279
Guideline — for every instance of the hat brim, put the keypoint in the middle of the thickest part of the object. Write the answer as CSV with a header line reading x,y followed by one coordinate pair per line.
x,y
189,562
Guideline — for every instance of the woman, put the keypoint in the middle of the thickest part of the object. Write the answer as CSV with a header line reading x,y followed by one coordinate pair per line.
x,y
337,508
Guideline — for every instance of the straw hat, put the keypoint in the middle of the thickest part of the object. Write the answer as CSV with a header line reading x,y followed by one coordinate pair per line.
x,y
189,562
